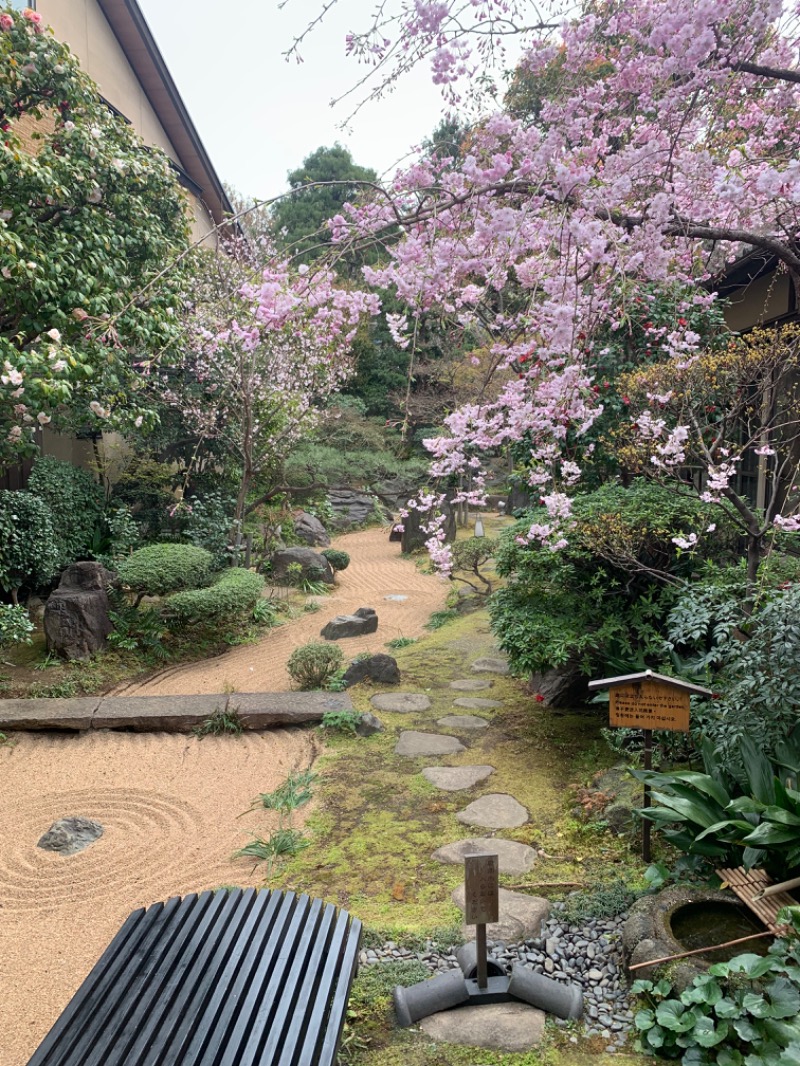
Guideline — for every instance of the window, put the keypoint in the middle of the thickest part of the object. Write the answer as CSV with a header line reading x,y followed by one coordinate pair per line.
x,y
20,5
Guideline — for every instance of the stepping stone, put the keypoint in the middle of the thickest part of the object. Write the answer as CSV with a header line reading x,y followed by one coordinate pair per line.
x,y
490,665
471,685
413,743
454,778
462,721
395,598
521,916
475,703
495,811
514,858
501,1026
401,702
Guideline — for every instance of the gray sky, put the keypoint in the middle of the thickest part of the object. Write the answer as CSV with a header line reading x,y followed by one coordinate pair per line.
x,y
258,115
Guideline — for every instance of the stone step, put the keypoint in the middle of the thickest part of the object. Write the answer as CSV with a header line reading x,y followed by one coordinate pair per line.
x,y
471,685
495,811
170,714
500,1026
514,858
490,665
401,702
474,703
454,778
412,743
521,916
462,721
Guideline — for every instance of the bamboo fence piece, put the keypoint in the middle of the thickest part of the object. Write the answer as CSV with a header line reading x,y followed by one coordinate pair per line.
x,y
749,886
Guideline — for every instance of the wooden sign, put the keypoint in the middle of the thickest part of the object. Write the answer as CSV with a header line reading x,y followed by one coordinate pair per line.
x,y
649,705
482,897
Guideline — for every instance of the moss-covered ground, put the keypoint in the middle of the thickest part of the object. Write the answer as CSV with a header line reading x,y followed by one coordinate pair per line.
x,y
378,820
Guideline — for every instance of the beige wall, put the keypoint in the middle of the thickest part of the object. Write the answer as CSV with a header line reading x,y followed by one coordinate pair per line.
x,y
760,302
82,25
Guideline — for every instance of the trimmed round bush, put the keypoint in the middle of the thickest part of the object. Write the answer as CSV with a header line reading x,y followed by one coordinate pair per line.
x,y
232,597
339,560
160,569
313,665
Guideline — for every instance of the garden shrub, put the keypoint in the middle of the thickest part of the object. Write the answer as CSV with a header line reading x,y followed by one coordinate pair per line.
x,y
602,600
207,523
76,504
160,569
312,665
15,625
29,554
339,560
231,598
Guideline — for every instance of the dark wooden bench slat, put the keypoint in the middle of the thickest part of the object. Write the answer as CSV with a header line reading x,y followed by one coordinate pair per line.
x,y
208,1046
319,1000
224,917
149,994
71,1040
232,978
338,1008
131,1002
311,948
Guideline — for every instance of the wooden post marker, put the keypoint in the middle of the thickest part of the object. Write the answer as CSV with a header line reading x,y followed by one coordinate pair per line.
x,y
648,701
481,902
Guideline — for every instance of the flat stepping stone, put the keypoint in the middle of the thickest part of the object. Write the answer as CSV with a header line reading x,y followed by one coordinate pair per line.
x,y
413,743
500,1026
521,916
401,702
471,685
490,665
454,778
475,703
462,721
514,858
495,811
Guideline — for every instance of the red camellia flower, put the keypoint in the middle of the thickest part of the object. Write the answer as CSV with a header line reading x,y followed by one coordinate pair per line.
x,y
539,697
682,322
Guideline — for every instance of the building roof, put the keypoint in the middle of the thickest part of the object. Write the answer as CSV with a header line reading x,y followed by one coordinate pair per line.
x,y
131,30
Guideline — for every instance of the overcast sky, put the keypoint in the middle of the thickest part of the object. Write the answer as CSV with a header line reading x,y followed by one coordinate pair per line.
x,y
260,116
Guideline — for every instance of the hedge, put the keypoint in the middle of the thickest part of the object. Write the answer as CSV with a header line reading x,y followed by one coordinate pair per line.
x,y
233,596
160,569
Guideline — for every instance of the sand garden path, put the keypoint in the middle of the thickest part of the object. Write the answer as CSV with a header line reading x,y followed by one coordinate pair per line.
x,y
377,570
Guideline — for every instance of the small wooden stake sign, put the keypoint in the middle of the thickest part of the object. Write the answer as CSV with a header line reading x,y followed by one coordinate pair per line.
x,y
648,701
481,902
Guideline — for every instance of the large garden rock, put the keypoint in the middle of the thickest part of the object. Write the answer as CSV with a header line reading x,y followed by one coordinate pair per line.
x,y
68,836
565,686
380,668
314,567
310,530
364,621
77,616
512,1027
352,508
519,499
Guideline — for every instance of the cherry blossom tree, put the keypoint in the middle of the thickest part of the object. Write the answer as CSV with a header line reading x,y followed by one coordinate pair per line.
x,y
263,352
664,144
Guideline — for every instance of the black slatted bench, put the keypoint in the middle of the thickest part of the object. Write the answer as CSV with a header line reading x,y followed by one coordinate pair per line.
x,y
228,978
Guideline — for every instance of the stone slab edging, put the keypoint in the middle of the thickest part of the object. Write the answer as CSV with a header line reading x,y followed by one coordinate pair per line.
x,y
169,714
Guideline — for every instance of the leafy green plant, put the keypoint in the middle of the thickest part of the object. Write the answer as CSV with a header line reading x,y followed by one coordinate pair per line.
x,y
160,569
440,618
311,607
598,901
207,521
341,721
265,612
339,560
76,504
312,665
15,625
29,553
115,536
750,819
400,642
220,723
741,1013
284,841
233,596
138,629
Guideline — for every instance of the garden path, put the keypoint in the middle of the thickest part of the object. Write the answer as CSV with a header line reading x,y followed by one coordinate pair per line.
x,y
377,570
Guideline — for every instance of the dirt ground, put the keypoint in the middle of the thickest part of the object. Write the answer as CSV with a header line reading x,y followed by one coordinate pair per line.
x,y
377,570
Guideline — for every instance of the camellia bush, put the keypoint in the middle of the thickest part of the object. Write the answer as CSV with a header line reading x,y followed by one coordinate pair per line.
x,y
89,216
